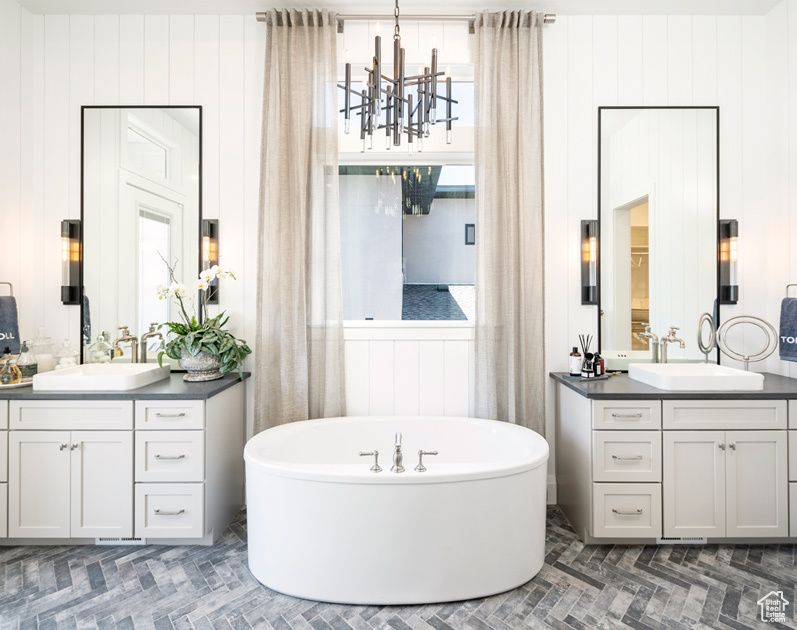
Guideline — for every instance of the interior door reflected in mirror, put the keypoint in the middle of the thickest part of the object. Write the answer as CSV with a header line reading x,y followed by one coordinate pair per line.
x,y
141,205
658,212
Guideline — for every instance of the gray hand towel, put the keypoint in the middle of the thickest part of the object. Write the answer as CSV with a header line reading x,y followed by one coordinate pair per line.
x,y
9,324
788,329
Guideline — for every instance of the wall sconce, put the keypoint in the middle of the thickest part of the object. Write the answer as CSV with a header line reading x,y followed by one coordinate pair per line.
x,y
589,261
210,254
70,261
729,261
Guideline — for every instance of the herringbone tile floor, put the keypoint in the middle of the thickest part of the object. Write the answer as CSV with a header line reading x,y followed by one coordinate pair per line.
x,y
579,588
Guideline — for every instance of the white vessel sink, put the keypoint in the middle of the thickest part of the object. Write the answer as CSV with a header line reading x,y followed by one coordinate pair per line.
x,y
692,377
101,377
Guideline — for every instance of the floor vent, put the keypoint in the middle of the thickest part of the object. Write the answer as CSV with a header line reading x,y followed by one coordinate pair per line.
x,y
120,541
681,541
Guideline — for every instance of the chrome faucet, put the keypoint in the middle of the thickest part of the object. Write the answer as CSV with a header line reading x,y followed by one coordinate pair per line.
x,y
152,333
126,336
670,338
653,341
398,458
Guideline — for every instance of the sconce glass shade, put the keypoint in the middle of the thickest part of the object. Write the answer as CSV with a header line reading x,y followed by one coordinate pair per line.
x,y
70,261
210,254
729,261
589,261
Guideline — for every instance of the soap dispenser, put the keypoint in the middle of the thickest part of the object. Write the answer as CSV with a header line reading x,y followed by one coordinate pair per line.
x,y
10,374
27,363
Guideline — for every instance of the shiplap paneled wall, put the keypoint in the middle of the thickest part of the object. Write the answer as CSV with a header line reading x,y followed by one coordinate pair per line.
x,y
419,368
52,64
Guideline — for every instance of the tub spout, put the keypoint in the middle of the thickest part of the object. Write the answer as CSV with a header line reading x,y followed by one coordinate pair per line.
x,y
398,458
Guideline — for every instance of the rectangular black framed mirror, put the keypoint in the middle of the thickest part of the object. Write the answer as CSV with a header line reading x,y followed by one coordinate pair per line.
x,y
141,199
658,214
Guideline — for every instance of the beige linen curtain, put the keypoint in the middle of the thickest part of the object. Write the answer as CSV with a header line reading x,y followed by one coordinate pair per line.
x,y
299,352
510,362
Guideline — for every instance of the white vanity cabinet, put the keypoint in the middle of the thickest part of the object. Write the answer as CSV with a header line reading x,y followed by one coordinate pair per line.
x,y
632,469
725,484
167,469
70,483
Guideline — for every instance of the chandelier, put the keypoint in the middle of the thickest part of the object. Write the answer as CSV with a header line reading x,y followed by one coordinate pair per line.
x,y
410,102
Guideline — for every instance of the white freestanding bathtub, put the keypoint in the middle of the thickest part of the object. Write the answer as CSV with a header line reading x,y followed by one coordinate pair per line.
x,y
322,526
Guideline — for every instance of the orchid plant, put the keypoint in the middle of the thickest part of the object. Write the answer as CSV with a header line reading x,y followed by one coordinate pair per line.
x,y
192,336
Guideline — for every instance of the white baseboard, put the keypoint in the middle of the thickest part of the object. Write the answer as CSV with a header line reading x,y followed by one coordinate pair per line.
x,y
551,493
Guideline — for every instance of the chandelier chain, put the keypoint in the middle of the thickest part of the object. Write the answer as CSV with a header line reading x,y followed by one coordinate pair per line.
x,y
396,30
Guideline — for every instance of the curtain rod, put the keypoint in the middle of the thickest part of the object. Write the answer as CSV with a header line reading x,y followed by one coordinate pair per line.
x,y
549,18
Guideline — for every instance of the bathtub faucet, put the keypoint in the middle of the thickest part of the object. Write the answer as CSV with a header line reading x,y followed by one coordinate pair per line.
x,y
398,458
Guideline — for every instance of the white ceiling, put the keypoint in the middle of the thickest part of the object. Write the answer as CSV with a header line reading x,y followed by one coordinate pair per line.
x,y
562,7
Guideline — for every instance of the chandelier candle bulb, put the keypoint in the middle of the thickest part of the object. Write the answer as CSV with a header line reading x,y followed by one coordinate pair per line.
x,y
433,113
347,95
388,124
363,122
448,106
409,129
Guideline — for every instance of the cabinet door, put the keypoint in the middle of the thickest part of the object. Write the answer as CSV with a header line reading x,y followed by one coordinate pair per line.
x,y
102,484
757,484
38,484
694,484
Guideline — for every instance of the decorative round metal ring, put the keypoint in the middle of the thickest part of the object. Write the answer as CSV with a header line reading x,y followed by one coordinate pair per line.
x,y
769,331
706,348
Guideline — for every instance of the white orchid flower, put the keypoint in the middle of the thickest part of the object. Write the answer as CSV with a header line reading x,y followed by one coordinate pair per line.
x,y
179,290
201,284
208,275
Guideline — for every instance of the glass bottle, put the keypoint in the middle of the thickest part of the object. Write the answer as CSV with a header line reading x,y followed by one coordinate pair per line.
x,y
27,363
9,374
42,347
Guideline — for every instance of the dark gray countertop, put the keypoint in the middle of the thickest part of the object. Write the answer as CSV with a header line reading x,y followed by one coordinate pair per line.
x,y
173,388
620,387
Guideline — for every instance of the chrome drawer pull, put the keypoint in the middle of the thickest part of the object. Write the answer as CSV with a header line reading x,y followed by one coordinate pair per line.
x,y
159,456
169,513
170,415
636,512
632,458
627,416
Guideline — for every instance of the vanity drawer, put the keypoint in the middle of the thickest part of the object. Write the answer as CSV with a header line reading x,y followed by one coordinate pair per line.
x,y
724,415
170,414
3,510
170,455
626,456
3,414
3,456
792,455
170,510
793,414
66,415
626,414
626,510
